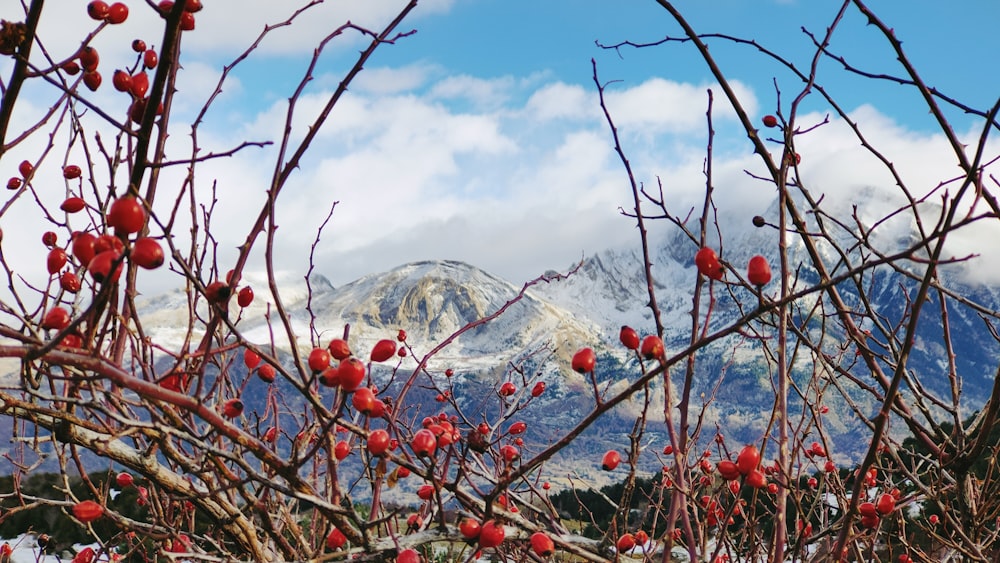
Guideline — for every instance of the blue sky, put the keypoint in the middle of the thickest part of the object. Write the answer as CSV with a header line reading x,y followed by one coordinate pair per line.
x,y
479,138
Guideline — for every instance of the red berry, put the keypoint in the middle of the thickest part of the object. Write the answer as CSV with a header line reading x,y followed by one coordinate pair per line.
x,y
401,335
83,247
245,297
319,360
72,172
748,459
652,348
350,372
542,544
98,10
218,292
56,260
341,450
49,239
758,271
100,267
423,443
756,479
469,528
610,460
192,6
584,361
625,542
124,479
14,183
122,81
165,6
363,400
69,282
147,253
187,21
56,319
139,84
267,373
538,389
138,45
89,58
87,511
251,359
886,504
707,262
491,534
408,555
339,349
517,428
71,68
770,121
728,470
629,337
232,408
127,215
150,58
92,80
383,350
336,539
117,13
25,168
378,442
73,204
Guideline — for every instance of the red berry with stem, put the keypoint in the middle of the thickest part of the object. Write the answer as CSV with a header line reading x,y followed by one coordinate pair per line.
x,y
150,59
124,480
610,460
245,297
378,442
127,215
507,389
350,373
70,282
748,459
629,337
758,271
469,528
267,373
139,84
121,80
339,349
57,258
770,121
584,361
383,350
336,539
73,204
652,348
106,266
72,172
341,450
117,13
423,443
542,544
491,534
319,360
92,80
138,45
232,408
98,10
147,253
56,319
251,359
87,511
89,58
